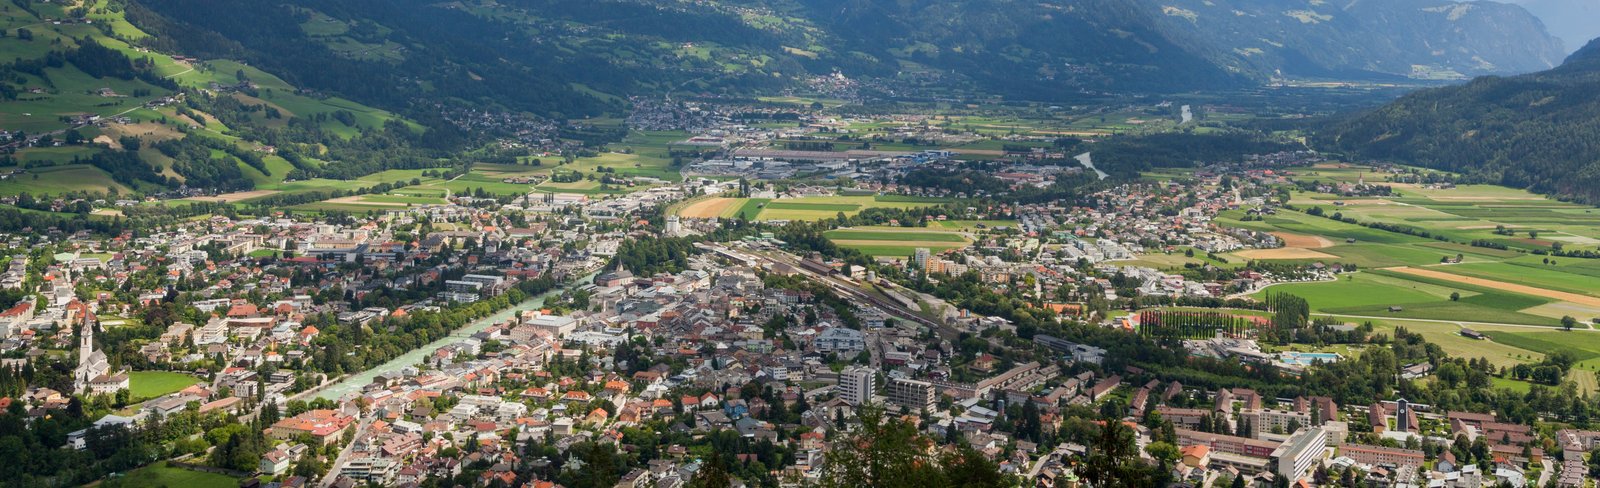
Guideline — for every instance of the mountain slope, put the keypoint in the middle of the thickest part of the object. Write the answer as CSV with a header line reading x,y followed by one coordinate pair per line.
x,y
1537,131
1394,38
1024,47
1571,20
235,93
92,103
528,54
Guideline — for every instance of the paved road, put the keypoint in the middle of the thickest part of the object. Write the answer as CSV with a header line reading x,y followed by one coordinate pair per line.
x,y
1544,474
338,462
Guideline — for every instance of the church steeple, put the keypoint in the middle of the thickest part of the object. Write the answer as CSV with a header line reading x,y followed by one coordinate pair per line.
x,y
85,342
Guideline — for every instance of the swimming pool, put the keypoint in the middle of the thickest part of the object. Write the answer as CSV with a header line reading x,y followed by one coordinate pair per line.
x,y
1306,358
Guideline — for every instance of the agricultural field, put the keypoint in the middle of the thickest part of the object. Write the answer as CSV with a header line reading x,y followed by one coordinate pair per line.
x,y
1373,293
974,225
717,207
806,208
1463,213
60,179
1414,277
72,92
896,241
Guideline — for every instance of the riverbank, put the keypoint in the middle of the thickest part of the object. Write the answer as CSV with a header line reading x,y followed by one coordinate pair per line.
x,y
354,382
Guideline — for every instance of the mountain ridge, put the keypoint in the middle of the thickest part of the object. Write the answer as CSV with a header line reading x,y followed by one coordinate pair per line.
x,y
1054,49
1535,131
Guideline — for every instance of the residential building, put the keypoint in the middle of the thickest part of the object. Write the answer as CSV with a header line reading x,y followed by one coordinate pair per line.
x,y
856,385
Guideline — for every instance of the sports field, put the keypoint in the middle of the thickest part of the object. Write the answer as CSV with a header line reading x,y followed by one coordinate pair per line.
x,y
143,385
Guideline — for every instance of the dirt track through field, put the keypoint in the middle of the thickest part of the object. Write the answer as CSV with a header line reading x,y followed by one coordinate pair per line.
x,y
1500,285
235,196
1303,241
1283,253
357,200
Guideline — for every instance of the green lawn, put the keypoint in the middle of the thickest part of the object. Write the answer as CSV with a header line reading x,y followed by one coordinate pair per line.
x,y
1372,255
910,234
1371,293
1540,276
1449,338
1582,345
145,385
818,207
901,251
60,179
751,208
162,475
402,199
1359,290
1292,221
71,92
263,253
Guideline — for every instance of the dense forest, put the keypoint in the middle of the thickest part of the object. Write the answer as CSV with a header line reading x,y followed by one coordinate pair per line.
x,y
1536,131
1129,155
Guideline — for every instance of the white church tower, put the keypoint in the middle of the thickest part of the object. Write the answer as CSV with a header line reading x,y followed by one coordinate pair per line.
x,y
94,371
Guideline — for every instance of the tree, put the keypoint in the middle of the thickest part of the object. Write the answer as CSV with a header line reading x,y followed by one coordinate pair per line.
x,y
1567,322
309,467
889,452
1162,451
713,474
968,467
1455,296
1113,461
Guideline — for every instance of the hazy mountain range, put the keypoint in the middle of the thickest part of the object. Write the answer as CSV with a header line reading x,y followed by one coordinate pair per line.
x,y
1576,22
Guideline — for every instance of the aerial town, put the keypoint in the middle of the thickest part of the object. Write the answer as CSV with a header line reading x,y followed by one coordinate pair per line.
x,y
515,342
799,244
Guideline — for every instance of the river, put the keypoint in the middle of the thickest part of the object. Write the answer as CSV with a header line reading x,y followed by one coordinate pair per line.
x,y
355,382
1088,162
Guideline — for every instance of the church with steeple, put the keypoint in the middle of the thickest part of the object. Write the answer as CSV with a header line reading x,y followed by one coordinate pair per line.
x,y
93,375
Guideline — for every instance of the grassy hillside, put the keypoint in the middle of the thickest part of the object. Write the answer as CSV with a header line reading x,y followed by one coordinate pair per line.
x,y
92,104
